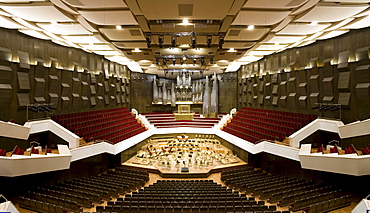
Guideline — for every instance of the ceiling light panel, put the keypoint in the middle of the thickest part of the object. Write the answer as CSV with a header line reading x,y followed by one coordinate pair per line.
x,y
274,47
205,9
332,34
107,52
84,39
37,13
133,34
35,34
260,18
110,17
238,44
130,45
327,12
97,47
348,1
339,24
96,4
302,29
20,1
10,23
64,29
261,52
276,4
243,34
285,39
359,23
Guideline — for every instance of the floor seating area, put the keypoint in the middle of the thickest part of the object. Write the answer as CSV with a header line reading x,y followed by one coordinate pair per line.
x,y
110,125
72,195
187,196
298,195
253,124
167,120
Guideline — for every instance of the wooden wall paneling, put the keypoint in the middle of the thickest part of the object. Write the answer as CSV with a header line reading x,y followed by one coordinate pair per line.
x,y
302,89
76,90
85,90
93,89
112,88
261,89
283,90
313,86
6,88
66,84
228,85
363,84
118,91
40,84
293,90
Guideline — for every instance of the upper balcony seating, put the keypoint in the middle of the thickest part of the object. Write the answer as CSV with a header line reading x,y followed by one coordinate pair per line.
x,y
111,125
254,124
335,149
167,120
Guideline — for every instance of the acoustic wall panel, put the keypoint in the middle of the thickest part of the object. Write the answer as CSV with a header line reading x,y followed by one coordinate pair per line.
x,y
362,93
93,101
260,100
53,99
76,100
275,89
92,79
302,89
314,83
5,85
39,90
302,102
65,102
344,81
292,84
363,74
106,87
5,94
268,100
344,98
23,81
275,100
283,101
106,99
100,101
314,98
292,99
328,89
283,88
23,99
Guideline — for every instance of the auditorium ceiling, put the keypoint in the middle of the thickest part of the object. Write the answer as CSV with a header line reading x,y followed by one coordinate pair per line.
x,y
164,36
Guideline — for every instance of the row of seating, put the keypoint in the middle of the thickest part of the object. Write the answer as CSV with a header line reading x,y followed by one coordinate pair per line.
x,y
110,125
188,209
297,194
254,124
331,204
167,120
72,195
186,196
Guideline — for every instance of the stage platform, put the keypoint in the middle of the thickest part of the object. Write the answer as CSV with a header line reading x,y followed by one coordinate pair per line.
x,y
184,158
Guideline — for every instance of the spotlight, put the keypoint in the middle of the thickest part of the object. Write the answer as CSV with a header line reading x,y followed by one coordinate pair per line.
x,y
174,61
209,41
194,41
194,61
160,41
221,41
173,41
202,61
148,40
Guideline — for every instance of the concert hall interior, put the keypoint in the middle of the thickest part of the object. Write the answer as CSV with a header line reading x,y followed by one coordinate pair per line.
x,y
184,106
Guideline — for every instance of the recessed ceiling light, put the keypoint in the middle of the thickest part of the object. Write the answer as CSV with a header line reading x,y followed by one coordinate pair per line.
x,y
250,27
136,50
314,23
118,27
231,50
184,46
185,22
